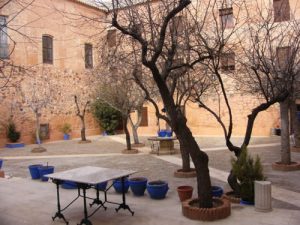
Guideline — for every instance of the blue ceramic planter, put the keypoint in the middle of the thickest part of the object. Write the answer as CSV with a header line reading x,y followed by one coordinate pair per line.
x,y
157,189
1,163
101,186
117,184
244,202
44,170
217,191
69,185
15,145
161,133
34,171
66,136
138,185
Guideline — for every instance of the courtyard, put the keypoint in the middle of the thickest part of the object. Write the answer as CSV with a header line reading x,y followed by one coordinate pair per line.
x,y
25,201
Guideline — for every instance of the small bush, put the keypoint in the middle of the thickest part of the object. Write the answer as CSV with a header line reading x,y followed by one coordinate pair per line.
x,y
107,116
12,134
65,128
247,170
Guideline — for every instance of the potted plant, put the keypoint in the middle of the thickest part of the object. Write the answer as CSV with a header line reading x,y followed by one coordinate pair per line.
x,y
101,186
66,129
44,170
247,170
34,171
217,191
157,189
1,163
138,185
13,135
117,184
184,192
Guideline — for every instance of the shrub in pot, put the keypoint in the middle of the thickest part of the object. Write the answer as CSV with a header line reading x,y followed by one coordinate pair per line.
x,y
138,185
66,129
247,170
12,134
117,184
157,189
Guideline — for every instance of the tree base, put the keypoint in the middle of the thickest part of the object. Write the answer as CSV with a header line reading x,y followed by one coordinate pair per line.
x,y
295,149
132,151
220,210
232,197
139,145
286,167
84,142
38,150
181,174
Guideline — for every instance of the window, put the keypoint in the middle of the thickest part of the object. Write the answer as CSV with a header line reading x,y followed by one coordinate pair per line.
x,y
177,25
228,61
88,50
281,10
226,18
111,38
283,55
3,38
144,121
47,49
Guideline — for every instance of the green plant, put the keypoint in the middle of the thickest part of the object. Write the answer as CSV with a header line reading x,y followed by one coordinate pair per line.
x,y
12,134
66,128
107,116
247,170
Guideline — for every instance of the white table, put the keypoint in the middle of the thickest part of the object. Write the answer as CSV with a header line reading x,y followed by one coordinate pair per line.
x,y
87,177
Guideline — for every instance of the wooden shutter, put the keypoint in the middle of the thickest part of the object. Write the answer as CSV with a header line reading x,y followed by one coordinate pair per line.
x,y
3,38
281,10
88,49
227,61
47,49
144,122
283,55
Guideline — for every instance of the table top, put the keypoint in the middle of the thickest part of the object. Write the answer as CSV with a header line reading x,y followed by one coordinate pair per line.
x,y
90,174
162,138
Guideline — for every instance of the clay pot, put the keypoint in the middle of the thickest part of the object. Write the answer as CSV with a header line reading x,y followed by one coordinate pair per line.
x,y
184,192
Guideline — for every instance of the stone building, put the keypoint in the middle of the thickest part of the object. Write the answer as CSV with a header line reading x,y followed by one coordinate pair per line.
x,y
58,38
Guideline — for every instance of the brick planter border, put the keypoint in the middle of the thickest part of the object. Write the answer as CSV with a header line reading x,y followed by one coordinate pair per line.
x,y
139,145
231,198
284,167
295,149
84,142
180,174
206,214
132,151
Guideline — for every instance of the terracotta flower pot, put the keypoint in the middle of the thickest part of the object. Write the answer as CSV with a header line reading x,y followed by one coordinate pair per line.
x,y
185,192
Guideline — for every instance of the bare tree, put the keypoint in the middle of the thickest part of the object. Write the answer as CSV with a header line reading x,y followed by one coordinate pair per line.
x,y
81,109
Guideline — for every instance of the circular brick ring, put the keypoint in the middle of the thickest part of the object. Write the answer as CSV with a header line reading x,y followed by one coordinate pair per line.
x,y
139,145
132,151
180,174
295,149
286,167
220,211
231,197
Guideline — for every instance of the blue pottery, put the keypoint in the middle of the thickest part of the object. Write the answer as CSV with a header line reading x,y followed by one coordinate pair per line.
x,y
34,171
66,136
117,184
15,145
244,202
44,170
101,186
138,185
169,133
157,189
69,185
162,133
1,162
216,191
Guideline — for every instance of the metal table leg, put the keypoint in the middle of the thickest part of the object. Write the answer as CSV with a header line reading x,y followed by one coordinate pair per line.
x,y
85,220
58,214
123,205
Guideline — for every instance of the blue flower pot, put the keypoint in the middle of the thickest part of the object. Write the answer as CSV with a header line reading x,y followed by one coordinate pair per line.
x,y
162,133
34,171
1,163
101,186
66,136
244,202
44,170
169,133
138,185
117,184
217,191
69,185
157,189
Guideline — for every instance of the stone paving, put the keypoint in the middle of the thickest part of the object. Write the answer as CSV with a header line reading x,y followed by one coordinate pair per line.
x,y
24,201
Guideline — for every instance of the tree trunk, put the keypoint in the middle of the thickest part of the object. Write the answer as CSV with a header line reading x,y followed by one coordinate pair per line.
x,y
83,137
285,137
200,160
186,165
295,124
125,119
134,131
37,132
